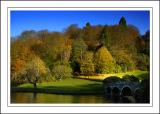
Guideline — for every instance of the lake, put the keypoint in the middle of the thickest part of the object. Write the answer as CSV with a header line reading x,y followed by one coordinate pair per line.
x,y
20,97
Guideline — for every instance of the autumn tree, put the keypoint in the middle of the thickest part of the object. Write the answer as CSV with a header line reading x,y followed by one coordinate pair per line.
x,y
87,65
73,31
35,71
91,36
20,54
124,60
104,61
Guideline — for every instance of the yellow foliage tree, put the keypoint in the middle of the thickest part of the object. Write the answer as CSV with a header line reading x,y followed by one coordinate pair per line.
x,y
104,61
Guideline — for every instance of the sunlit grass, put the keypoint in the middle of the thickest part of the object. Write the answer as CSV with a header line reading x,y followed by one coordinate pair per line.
x,y
139,74
83,85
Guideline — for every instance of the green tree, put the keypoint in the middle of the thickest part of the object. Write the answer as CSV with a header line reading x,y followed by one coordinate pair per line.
x,y
62,70
78,50
123,21
87,65
104,38
88,25
142,61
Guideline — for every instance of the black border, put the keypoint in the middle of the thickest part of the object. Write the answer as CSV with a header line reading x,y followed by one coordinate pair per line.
x,y
151,10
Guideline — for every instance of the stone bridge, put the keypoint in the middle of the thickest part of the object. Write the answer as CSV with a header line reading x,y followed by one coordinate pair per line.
x,y
121,88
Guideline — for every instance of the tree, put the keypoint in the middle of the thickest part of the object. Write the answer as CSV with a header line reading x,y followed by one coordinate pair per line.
x,y
104,61
91,36
17,67
87,65
142,61
62,70
20,54
123,21
28,34
104,38
88,25
35,71
78,49
124,60
73,31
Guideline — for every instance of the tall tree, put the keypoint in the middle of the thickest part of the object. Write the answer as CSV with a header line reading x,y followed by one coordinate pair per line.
x,y
104,61
88,25
87,65
78,49
104,38
123,21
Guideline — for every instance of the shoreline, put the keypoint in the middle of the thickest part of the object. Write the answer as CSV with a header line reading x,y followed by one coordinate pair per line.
x,y
54,91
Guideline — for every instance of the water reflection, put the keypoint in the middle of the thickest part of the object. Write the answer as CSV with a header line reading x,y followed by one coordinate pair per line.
x,y
56,98
18,97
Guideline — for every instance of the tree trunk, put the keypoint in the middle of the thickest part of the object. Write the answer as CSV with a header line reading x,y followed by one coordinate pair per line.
x,y
35,85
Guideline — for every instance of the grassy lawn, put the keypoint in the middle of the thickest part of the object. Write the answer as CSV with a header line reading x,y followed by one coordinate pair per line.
x,y
69,86
139,74
79,84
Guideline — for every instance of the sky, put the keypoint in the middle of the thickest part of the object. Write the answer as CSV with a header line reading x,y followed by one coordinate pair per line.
x,y
59,20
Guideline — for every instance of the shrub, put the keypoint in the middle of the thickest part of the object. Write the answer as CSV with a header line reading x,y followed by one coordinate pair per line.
x,y
112,79
131,78
62,72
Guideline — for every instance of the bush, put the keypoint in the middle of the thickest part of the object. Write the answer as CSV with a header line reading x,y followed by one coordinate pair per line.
x,y
62,72
112,79
131,78
143,62
118,69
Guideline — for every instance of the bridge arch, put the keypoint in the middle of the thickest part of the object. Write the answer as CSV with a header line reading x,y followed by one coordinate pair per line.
x,y
109,90
137,92
116,91
126,91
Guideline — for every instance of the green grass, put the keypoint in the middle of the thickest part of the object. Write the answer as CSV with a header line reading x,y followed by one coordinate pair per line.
x,y
139,74
78,84
69,86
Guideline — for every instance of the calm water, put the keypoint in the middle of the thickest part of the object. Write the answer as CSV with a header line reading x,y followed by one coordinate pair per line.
x,y
56,98
19,97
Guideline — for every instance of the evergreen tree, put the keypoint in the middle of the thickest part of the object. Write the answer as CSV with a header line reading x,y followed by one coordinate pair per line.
x,y
104,38
123,21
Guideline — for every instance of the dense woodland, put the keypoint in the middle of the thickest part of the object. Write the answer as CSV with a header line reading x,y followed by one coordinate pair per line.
x,y
38,56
